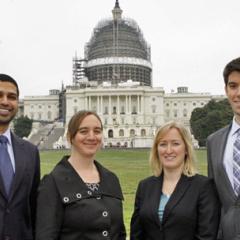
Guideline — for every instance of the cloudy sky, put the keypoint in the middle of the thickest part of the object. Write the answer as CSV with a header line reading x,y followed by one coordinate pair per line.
x,y
191,40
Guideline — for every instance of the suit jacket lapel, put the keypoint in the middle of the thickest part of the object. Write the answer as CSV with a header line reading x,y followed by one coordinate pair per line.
x,y
2,188
20,161
154,200
181,187
19,166
221,145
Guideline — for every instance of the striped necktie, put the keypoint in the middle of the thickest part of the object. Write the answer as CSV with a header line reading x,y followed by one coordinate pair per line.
x,y
6,168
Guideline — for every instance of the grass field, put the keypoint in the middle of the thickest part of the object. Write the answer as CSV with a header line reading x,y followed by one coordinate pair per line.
x,y
129,165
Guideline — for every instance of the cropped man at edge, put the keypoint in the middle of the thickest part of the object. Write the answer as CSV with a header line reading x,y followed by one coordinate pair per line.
x,y
19,171
224,158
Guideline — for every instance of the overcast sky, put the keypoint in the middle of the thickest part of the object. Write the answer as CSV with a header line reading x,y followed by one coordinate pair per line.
x,y
191,40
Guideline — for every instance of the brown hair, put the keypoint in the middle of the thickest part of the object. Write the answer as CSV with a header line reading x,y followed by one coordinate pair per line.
x,y
76,120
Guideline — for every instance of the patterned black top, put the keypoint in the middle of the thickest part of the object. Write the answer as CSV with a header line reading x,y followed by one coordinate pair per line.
x,y
93,186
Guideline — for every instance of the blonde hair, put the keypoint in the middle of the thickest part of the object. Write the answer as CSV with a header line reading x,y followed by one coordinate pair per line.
x,y
189,163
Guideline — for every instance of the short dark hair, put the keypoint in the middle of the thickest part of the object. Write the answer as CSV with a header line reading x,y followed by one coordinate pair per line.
x,y
232,66
76,120
7,78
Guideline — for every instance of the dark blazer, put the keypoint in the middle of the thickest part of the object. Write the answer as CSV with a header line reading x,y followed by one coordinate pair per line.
x,y
17,212
191,213
69,210
230,214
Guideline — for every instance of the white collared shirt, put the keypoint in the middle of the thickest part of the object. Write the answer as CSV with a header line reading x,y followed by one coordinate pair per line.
x,y
7,134
228,154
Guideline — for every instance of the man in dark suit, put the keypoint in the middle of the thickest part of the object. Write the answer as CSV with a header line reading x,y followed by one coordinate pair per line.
x,y
19,171
223,149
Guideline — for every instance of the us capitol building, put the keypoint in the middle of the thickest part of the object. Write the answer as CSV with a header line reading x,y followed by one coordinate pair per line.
x,y
114,79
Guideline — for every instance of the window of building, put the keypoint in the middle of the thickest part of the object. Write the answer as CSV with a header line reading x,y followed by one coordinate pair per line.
x,y
114,121
114,110
143,132
134,110
122,110
121,133
132,132
175,114
105,110
185,112
49,114
110,133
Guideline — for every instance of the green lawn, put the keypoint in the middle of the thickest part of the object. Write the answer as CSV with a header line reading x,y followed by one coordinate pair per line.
x,y
129,165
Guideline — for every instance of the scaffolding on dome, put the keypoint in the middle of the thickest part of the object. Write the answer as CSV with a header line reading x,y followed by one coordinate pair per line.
x,y
131,41
78,70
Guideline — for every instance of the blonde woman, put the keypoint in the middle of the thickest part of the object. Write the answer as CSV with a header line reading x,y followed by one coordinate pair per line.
x,y
175,203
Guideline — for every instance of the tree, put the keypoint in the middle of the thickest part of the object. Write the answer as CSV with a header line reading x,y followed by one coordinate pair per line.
x,y
209,119
22,126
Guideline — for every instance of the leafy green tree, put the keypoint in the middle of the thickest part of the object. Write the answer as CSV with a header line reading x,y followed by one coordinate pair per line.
x,y
22,126
209,119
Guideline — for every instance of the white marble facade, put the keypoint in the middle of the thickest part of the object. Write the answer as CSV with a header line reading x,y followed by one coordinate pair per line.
x,y
130,115
41,108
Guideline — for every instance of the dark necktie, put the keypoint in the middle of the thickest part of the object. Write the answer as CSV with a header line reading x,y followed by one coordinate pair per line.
x,y
236,164
6,167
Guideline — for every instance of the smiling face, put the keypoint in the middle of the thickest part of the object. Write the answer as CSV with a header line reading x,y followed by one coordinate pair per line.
x,y
172,150
8,103
232,90
88,138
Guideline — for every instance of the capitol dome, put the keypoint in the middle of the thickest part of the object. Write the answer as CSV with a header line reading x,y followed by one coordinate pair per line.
x,y
117,52
123,39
